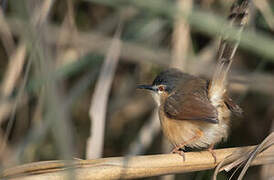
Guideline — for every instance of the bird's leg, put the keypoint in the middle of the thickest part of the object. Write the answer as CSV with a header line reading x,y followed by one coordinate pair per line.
x,y
210,149
178,149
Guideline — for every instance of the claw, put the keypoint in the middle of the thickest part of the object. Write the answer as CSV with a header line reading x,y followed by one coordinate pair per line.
x,y
210,149
179,151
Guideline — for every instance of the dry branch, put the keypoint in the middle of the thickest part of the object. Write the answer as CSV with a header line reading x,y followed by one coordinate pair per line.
x,y
131,167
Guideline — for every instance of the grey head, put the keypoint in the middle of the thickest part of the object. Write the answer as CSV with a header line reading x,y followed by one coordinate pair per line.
x,y
166,81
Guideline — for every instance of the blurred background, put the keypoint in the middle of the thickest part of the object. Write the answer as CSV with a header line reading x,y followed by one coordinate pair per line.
x,y
69,70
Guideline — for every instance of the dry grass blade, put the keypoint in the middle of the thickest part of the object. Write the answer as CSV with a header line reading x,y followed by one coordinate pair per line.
x,y
6,107
65,54
267,171
181,37
269,141
238,158
41,13
265,8
129,168
98,105
12,74
6,35
14,70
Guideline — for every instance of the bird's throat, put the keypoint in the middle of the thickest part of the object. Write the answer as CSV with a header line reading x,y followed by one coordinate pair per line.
x,y
156,98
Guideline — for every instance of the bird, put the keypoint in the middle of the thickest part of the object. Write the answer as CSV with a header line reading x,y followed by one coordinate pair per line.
x,y
195,112
188,115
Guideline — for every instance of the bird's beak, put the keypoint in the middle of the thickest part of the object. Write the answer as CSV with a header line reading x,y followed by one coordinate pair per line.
x,y
148,87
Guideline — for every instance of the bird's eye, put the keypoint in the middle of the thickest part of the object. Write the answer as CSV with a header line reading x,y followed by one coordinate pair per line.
x,y
161,88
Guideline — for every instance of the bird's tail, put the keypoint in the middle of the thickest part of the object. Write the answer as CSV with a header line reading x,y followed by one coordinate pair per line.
x,y
238,18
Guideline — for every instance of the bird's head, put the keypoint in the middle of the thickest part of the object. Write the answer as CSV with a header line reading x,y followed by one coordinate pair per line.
x,y
165,83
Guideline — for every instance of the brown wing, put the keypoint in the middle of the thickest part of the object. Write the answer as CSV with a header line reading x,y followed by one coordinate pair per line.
x,y
191,103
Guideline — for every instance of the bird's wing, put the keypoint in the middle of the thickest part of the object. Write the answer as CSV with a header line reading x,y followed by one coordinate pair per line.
x,y
191,105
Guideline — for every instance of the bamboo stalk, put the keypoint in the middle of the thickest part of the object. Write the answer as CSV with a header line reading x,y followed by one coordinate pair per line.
x,y
131,167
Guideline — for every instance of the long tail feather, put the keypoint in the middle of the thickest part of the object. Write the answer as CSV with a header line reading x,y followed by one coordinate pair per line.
x,y
238,17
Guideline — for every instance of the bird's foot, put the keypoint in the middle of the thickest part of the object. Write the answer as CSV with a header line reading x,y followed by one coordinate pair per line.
x,y
210,149
179,151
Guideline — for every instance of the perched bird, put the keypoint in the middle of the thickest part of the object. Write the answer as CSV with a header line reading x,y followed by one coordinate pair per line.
x,y
187,113
193,111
